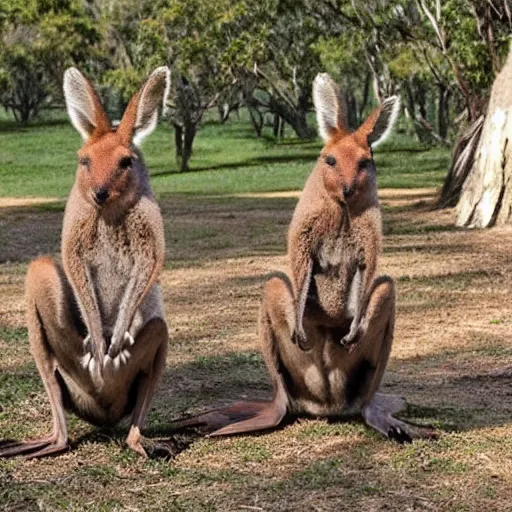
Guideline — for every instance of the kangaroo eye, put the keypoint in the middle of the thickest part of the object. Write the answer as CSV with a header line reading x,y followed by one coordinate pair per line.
x,y
125,162
330,160
365,165
83,160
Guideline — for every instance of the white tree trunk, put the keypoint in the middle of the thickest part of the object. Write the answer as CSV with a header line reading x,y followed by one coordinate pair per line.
x,y
486,198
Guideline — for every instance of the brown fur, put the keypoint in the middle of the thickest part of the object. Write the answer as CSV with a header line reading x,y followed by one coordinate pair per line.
x,y
96,326
326,329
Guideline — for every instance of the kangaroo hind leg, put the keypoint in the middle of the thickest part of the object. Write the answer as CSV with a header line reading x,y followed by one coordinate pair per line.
x,y
375,347
276,325
148,359
277,312
52,332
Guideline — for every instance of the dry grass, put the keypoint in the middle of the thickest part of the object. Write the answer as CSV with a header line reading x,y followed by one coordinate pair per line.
x,y
452,359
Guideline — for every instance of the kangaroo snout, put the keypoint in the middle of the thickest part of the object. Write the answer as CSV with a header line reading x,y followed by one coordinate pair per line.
x,y
348,191
101,195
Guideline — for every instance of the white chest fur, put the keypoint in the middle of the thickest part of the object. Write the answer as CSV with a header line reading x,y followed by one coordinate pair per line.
x,y
111,264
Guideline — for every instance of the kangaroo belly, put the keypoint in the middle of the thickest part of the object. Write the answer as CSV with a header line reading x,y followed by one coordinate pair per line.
x,y
332,278
109,294
328,297
327,380
97,407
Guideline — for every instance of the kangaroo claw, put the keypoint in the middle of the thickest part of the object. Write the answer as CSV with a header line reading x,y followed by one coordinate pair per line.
x,y
86,360
87,343
92,366
129,338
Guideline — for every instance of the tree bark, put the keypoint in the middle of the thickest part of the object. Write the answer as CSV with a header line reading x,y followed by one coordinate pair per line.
x,y
256,120
462,161
486,198
443,111
184,139
275,125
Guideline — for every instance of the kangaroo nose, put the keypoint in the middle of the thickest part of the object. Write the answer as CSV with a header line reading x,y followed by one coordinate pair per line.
x,y
101,195
348,191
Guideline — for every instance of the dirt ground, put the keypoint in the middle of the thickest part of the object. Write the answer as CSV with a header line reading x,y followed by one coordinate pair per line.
x,y
452,360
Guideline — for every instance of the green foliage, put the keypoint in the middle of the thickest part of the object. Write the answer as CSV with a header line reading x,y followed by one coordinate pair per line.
x,y
39,40
370,47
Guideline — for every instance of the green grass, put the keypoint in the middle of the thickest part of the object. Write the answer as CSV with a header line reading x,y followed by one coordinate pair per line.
x,y
40,160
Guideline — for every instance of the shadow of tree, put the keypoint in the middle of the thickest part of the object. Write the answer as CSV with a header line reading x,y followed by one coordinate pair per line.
x,y
301,157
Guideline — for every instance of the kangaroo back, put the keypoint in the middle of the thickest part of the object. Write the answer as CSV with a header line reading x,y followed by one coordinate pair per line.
x,y
112,240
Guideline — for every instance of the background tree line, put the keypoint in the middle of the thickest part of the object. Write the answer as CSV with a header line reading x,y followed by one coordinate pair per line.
x,y
441,57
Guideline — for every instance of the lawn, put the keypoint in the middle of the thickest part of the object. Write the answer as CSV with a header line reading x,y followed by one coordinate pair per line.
x,y
40,161
451,358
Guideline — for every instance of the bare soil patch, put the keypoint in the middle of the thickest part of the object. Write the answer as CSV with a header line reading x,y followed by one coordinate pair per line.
x,y
15,202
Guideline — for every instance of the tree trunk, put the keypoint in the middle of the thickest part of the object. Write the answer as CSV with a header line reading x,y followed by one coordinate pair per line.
x,y
462,161
178,140
414,102
275,125
443,111
295,117
281,129
256,120
486,198
184,139
188,141
364,101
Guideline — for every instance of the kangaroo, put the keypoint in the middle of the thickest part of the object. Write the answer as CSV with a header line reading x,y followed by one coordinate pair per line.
x,y
96,326
326,329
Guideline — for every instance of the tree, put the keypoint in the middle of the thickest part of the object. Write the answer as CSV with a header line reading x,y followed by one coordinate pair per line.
x,y
188,110
486,198
285,76
472,37
38,41
211,47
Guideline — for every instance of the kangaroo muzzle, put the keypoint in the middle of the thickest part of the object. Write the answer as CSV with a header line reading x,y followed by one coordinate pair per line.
x,y
101,195
348,191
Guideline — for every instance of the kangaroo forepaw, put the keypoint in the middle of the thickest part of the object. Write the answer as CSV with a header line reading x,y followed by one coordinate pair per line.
x,y
129,338
87,344
299,339
349,339
119,344
116,361
89,363
118,353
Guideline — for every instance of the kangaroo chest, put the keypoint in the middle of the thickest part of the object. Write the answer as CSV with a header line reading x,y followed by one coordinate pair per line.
x,y
334,270
111,265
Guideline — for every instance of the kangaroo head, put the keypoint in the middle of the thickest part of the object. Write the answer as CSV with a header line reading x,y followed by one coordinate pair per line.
x,y
109,165
347,161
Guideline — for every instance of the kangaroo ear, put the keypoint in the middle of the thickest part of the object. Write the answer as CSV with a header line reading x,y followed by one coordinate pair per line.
x,y
380,122
141,115
84,107
329,114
